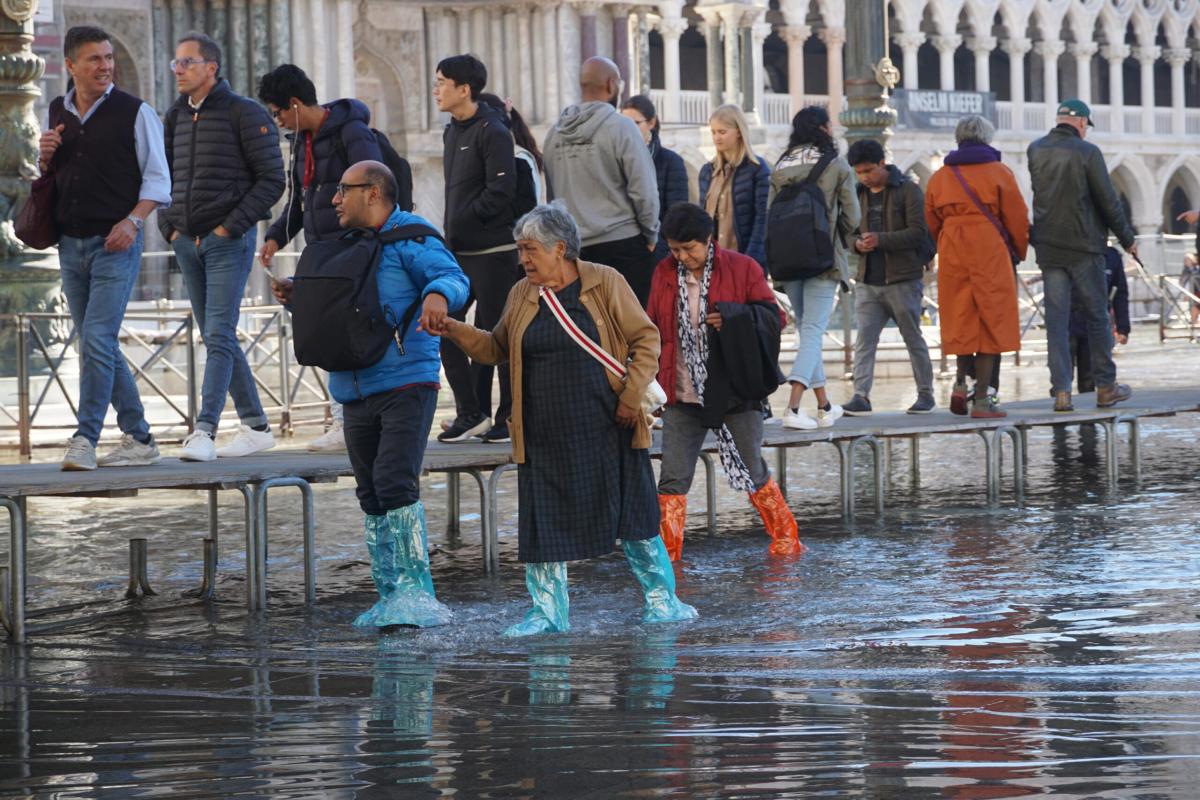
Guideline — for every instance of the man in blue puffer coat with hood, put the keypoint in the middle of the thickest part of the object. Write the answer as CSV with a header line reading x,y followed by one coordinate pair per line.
x,y
389,406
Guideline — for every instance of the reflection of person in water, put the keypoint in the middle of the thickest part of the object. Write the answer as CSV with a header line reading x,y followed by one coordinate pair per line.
x,y
395,751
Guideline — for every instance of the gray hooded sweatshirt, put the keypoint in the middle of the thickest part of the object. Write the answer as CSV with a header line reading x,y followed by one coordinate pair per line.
x,y
597,163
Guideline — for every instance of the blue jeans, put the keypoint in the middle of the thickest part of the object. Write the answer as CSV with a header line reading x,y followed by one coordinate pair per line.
x,y
98,285
1087,277
812,301
215,273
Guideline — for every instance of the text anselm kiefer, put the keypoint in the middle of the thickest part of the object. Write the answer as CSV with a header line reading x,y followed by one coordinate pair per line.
x,y
946,102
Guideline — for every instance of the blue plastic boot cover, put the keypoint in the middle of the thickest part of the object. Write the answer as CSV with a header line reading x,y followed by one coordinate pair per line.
x,y
652,568
381,547
411,600
547,584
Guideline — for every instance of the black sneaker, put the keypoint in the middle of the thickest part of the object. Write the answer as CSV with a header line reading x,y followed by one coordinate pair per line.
x,y
497,434
465,427
924,405
859,406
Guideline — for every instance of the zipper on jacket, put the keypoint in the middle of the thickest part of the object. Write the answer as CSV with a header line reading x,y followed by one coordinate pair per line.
x,y
187,202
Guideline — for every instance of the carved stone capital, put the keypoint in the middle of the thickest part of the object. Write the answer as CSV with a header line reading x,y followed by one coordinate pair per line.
x,y
909,41
1177,56
1116,52
1147,55
1084,49
984,44
833,37
946,44
1050,50
1016,47
795,34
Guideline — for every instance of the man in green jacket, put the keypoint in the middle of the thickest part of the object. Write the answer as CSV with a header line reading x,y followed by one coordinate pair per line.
x,y
1074,208
893,247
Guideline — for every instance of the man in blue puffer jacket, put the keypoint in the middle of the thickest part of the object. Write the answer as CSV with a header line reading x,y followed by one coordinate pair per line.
x,y
389,406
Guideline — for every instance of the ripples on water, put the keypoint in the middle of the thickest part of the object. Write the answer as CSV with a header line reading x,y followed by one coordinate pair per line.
x,y
950,650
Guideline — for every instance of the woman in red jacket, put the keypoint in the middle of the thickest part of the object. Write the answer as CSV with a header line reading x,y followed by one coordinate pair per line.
x,y
684,292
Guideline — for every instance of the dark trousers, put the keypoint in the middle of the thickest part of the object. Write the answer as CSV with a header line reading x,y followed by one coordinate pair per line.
x,y
491,276
1081,354
628,257
385,436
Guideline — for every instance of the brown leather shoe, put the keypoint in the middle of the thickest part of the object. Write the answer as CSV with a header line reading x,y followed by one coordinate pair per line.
x,y
1062,401
1111,395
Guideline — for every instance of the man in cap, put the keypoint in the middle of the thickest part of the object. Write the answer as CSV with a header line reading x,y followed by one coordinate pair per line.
x,y
1074,208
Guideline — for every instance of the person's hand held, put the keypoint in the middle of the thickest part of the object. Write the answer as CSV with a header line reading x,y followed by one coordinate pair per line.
x,y
627,417
433,314
1122,338
1190,217
269,249
713,319
282,290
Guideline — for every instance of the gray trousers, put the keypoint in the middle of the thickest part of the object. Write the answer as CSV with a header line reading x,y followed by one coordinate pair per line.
x,y
683,437
873,307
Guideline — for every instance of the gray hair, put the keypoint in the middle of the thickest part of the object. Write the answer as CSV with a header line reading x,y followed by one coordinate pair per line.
x,y
974,128
209,49
548,225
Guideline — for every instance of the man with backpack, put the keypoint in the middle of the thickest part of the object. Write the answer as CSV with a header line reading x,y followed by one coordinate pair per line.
x,y
326,139
893,247
398,270
481,189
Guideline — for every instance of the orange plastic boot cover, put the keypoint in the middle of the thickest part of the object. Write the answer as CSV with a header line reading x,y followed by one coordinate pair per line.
x,y
778,520
673,508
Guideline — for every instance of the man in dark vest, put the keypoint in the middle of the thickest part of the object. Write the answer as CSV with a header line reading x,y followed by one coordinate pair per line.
x,y
106,183
227,172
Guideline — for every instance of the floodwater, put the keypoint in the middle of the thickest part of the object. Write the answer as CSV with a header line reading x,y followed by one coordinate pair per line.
x,y
951,649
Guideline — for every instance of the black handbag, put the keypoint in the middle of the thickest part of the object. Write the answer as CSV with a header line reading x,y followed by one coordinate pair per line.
x,y
35,224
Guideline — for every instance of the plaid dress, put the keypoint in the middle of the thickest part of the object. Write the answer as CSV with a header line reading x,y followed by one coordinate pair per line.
x,y
582,485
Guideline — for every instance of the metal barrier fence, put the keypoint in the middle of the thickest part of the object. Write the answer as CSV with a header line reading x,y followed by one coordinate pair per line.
x,y
163,349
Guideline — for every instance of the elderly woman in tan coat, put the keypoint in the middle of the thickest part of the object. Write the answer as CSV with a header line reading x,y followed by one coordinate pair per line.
x,y
579,436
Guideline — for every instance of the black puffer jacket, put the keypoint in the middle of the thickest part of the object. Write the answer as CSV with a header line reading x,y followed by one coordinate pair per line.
x,y
481,182
226,165
311,209
1074,202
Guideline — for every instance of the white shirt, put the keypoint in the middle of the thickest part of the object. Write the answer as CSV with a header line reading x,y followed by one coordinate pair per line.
x,y
148,141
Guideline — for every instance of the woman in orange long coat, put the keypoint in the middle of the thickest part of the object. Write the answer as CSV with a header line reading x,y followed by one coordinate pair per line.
x,y
977,250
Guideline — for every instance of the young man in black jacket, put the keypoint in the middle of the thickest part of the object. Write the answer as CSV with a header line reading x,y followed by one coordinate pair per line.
x,y
481,185
226,172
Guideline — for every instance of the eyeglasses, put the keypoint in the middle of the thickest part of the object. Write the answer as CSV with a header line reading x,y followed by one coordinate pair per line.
x,y
187,63
342,188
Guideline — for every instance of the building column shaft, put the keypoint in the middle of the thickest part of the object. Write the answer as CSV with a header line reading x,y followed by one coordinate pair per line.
x,y
833,45
716,63
671,81
732,65
587,34
910,74
983,70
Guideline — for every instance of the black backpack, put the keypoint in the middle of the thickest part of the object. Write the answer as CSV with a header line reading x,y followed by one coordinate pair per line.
x,y
799,241
526,198
400,168
338,323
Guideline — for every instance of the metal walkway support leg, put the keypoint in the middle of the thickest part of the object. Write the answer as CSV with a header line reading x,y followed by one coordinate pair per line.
x,y
260,539
990,467
1110,452
710,489
453,504
1135,444
484,518
1017,438
250,499
12,602
137,570
781,470
491,528
845,449
914,460
878,452
208,587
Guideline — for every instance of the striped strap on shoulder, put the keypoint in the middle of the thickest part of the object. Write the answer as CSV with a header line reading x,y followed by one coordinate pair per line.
x,y
582,339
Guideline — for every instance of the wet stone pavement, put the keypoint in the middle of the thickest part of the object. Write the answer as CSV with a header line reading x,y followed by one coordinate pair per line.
x,y
951,649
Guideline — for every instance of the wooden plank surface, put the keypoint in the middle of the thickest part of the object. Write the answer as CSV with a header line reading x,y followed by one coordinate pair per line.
x,y
46,479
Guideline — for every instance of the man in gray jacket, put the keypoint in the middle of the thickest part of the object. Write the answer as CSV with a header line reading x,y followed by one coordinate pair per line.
x,y
1074,207
597,163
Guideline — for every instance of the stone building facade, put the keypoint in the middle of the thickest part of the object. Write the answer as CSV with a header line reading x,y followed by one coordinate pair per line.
x,y
1136,61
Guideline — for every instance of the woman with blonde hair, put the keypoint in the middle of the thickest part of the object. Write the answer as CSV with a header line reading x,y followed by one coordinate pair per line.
x,y
734,186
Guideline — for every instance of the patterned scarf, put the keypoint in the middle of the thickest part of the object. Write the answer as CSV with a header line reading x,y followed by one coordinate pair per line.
x,y
694,344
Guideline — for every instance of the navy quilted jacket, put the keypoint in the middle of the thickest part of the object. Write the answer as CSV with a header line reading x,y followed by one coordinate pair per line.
x,y
311,210
751,182
672,186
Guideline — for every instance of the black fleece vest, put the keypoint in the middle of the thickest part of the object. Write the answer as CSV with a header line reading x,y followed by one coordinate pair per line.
x,y
97,175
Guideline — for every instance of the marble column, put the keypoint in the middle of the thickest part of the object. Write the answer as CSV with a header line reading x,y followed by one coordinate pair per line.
x,y
537,102
1050,51
525,62
219,27
510,55
551,103
260,56
1016,49
437,49
570,27
1083,52
867,114
716,62
318,59
237,69
730,22
643,51
759,32
462,15
481,25
281,28
164,51
982,47
671,30
835,39
345,49
1177,57
795,36
620,35
946,46
1146,57
497,79
910,44
587,30
20,70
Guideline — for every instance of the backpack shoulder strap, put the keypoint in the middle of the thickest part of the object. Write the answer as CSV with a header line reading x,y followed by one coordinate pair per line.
x,y
814,174
414,230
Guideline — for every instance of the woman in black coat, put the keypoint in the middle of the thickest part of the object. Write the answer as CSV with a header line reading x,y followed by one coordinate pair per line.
x,y
668,165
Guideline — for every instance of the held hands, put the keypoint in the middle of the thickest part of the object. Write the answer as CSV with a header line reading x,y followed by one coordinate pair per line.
x,y
713,319
1190,217
1122,338
120,237
49,144
269,249
435,316
627,417
282,290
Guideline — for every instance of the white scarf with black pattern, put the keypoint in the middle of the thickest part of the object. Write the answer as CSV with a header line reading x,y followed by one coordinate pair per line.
x,y
693,343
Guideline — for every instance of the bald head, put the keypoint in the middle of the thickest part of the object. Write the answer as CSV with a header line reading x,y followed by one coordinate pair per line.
x,y
366,196
599,79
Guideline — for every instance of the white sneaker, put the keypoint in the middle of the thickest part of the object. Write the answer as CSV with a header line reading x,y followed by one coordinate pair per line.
x,y
131,453
798,420
331,441
198,446
247,442
825,419
80,455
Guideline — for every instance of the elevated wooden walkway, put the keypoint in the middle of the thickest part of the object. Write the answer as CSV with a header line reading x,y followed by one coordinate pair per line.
x,y
255,476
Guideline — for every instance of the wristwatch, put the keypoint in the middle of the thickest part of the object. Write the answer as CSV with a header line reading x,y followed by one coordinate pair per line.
x,y
137,221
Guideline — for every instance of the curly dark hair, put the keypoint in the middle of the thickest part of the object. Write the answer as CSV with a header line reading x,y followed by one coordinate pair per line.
x,y
808,130
285,82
